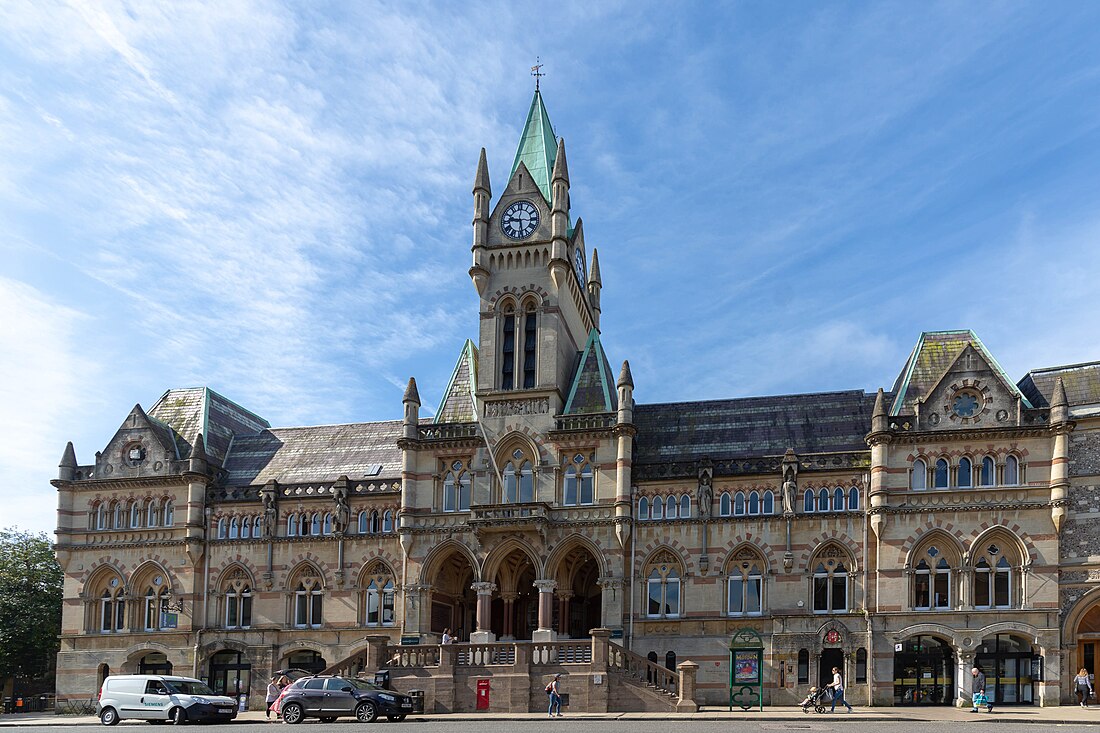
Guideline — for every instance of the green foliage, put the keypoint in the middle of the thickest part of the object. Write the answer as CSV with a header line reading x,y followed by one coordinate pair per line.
x,y
30,604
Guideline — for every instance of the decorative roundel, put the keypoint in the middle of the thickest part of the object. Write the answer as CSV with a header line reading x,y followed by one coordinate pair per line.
x,y
832,636
520,220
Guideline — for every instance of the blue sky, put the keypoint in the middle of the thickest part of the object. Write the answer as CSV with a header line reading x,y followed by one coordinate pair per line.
x,y
275,201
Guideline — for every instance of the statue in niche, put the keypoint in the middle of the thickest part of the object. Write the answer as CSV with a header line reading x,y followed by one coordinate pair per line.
x,y
704,494
271,513
790,489
343,511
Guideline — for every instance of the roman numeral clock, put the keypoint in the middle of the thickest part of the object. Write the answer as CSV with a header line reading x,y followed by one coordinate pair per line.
x,y
520,220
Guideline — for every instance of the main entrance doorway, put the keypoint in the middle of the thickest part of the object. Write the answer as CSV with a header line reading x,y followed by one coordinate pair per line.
x,y
1011,669
830,658
1088,642
924,672
230,674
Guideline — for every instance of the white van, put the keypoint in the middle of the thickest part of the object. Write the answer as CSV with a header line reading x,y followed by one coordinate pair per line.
x,y
161,697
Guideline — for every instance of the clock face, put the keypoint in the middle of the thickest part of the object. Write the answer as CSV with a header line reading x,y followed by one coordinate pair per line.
x,y
578,264
520,220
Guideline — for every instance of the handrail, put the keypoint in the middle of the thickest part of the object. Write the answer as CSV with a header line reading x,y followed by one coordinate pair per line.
x,y
637,667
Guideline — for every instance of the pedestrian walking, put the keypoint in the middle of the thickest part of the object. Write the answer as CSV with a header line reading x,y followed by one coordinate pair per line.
x,y
273,692
838,690
977,691
1082,685
554,691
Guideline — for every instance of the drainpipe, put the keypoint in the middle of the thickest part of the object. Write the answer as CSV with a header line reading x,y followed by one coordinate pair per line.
x,y
205,589
633,547
866,609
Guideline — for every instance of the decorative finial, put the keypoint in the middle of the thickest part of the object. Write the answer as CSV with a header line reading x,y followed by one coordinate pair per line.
x,y
536,71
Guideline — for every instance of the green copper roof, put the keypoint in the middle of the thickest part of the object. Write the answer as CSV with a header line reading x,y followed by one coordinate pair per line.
x,y
537,146
593,388
458,399
934,353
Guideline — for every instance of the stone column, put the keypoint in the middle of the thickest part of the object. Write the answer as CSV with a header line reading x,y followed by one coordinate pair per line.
x,y
509,612
484,634
564,598
545,631
688,672
599,690
1050,689
611,602
964,681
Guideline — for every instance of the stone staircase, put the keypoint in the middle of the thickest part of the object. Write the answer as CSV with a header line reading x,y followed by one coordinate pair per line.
x,y
639,685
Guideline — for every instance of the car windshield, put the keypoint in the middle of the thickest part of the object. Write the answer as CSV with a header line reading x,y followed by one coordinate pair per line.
x,y
181,687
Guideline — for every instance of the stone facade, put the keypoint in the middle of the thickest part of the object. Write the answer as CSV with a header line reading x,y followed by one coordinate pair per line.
x,y
902,536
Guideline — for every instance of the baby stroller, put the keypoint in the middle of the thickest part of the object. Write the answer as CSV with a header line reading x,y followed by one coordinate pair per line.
x,y
815,699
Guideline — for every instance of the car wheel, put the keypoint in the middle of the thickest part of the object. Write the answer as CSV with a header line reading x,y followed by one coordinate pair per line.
x,y
108,716
293,714
366,712
178,716
328,719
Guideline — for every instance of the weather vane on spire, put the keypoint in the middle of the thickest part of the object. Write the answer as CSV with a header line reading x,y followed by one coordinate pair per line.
x,y
536,71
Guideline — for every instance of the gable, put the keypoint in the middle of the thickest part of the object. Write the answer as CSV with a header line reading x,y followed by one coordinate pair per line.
x,y
593,389
522,186
140,447
458,399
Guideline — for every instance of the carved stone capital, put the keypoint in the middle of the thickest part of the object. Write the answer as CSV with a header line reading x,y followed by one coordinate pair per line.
x,y
483,588
546,585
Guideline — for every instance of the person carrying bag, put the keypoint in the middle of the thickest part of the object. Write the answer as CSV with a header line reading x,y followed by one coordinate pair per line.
x,y
1082,685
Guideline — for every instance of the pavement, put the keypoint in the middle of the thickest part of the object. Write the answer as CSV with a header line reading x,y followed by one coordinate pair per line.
x,y
1065,715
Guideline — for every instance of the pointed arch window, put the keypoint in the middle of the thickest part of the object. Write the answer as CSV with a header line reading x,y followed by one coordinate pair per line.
x,y
663,588
234,528
156,599
456,486
992,579
643,509
808,501
238,601
838,499
724,506
657,509
292,525
744,590
223,529
853,499
135,514
530,342
169,513
387,521
326,525
671,505
378,596
823,500
246,527
754,502
989,472
942,474
101,519
315,525
118,516
364,522
111,608
1012,471
803,666
918,477
151,513
965,473
578,486
739,504
769,502
308,603
508,349
685,506
258,527
375,524
932,581
830,582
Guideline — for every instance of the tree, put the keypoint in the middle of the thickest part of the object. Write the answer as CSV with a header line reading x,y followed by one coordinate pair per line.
x,y
30,604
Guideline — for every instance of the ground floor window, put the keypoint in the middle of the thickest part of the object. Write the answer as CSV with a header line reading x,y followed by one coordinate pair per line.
x,y
924,672
1011,669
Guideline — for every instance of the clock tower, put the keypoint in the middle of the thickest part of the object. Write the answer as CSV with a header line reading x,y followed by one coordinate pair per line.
x,y
539,298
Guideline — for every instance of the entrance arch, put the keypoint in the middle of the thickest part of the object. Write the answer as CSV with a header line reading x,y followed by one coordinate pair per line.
x,y
230,673
514,609
924,672
307,660
450,572
1008,661
1087,633
579,595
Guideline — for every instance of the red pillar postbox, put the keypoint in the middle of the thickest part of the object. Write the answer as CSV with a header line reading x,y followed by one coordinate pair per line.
x,y
483,694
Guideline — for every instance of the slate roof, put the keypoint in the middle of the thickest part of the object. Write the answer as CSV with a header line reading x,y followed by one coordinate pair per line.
x,y
189,412
320,453
1082,383
537,146
933,355
593,389
820,422
458,398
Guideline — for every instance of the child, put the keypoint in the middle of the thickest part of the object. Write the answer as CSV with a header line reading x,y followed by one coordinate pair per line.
x,y
810,701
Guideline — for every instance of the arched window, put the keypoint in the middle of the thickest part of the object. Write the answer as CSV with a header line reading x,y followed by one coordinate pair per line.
x,y
670,507
853,499
808,501
156,600
456,487
135,514
724,507
292,525
989,472
223,531
308,601
918,478
769,502
838,499
508,349
364,522
830,581
450,496
739,504
315,525
943,471
378,597
966,473
685,506
861,665
931,580
101,519
663,586
326,524
1012,471
246,527
118,515
387,521
670,661
169,513
530,342
744,591
643,509
110,610
803,666
258,527
657,508
234,528
151,513
992,578
754,502
238,600
823,500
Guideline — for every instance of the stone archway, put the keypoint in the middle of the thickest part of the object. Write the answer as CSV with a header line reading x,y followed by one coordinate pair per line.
x,y
514,608
579,606
452,603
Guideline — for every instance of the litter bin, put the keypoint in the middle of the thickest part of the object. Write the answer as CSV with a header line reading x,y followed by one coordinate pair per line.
x,y
382,679
418,700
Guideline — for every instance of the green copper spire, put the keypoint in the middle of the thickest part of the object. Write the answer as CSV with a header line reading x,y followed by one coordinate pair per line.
x,y
537,146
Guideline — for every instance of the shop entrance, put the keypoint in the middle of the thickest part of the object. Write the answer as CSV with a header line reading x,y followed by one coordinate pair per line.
x,y
924,672
230,674
1011,669
830,658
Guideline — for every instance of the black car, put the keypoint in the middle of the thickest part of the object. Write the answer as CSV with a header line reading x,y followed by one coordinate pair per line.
x,y
329,698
